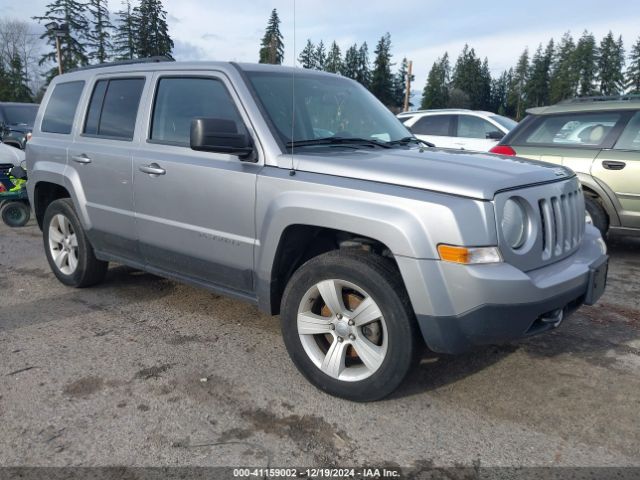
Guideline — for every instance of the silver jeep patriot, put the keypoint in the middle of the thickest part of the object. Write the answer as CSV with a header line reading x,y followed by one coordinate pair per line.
x,y
301,193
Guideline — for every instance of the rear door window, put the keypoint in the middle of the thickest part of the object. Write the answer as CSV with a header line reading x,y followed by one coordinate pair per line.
x,y
438,125
61,109
114,107
582,130
630,138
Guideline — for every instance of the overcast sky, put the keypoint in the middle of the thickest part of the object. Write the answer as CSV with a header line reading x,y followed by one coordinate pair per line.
x,y
421,30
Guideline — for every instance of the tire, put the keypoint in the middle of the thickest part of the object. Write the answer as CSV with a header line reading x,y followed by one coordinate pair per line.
x,y
599,217
79,267
15,214
389,342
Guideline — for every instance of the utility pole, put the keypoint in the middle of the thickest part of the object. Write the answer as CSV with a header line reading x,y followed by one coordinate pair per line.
x,y
58,55
408,91
59,31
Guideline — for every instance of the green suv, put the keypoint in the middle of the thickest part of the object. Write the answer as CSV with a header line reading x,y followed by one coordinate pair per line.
x,y
598,138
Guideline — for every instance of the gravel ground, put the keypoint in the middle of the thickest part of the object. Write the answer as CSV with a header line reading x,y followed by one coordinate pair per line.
x,y
143,371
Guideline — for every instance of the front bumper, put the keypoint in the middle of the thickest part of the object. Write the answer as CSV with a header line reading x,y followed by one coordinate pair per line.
x,y
484,304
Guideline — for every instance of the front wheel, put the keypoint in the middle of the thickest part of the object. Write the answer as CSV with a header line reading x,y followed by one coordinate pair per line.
x,y
596,215
68,250
348,325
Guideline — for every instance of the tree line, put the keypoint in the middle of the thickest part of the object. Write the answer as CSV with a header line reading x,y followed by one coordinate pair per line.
x,y
388,86
555,72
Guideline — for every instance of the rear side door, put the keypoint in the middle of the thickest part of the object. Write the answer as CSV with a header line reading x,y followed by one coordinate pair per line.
x,y
474,133
437,129
619,169
195,216
100,156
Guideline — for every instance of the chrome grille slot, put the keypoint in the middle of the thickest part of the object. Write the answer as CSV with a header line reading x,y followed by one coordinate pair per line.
x,y
562,223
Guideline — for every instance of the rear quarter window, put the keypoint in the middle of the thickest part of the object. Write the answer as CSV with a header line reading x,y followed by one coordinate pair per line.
x,y
581,130
61,109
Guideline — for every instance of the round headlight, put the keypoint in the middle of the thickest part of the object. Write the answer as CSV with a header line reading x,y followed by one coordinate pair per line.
x,y
514,223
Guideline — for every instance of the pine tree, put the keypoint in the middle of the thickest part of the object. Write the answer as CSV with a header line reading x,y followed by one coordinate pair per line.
x,y
400,84
307,56
538,87
485,85
610,66
436,90
320,56
350,66
519,83
153,32
499,88
126,33
633,71
586,63
381,77
18,82
99,36
363,74
333,63
564,76
272,46
71,13
469,79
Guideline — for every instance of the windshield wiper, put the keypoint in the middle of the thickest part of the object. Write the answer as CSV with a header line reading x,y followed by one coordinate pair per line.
x,y
407,140
337,141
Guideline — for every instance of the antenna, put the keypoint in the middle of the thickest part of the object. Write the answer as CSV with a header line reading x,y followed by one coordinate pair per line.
x,y
292,170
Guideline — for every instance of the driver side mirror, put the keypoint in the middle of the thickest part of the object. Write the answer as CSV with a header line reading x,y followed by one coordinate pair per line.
x,y
494,135
221,136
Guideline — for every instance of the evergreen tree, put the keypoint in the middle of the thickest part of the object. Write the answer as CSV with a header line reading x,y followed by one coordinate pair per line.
x,y
468,77
153,32
307,56
633,71
538,87
350,66
518,85
499,89
610,66
5,93
333,63
272,46
17,82
320,56
381,78
99,36
126,33
564,76
363,74
436,91
71,13
400,84
586,64
485,85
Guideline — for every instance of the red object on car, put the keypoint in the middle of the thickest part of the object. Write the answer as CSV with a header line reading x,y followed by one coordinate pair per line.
x,y
503,150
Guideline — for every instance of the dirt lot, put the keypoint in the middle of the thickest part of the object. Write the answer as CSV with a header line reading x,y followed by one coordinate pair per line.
x,y
144,371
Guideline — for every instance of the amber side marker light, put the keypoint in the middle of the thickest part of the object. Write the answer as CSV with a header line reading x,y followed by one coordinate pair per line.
x,y
469,255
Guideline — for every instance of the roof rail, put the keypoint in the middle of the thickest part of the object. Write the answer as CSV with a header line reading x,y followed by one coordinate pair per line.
x,y
156,59
603,98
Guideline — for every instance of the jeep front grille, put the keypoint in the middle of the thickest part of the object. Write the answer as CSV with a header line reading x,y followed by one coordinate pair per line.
x,y
562,222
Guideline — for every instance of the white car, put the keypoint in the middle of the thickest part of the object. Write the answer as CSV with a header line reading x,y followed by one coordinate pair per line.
x,y
10,155
458,128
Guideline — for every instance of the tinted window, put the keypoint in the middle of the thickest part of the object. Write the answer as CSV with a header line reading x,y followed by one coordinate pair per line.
x,y
579,130
119,100
179,100
58,116
433,125
474,127
20,114
630,138
95,107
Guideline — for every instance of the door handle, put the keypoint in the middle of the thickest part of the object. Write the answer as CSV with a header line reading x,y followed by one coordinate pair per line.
x,y
152,169
613,165
81,158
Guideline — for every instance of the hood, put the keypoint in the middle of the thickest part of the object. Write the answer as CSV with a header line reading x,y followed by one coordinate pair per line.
x,y
474,175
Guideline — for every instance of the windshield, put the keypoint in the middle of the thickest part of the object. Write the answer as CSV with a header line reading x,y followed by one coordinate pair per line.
x,y
20,114
325,106
505,122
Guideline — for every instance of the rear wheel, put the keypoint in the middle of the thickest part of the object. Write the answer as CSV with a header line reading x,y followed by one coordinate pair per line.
x,y
348,324
68,250
15,214
596,214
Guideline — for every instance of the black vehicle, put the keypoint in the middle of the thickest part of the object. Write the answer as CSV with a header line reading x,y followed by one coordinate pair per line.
x,y
16,121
